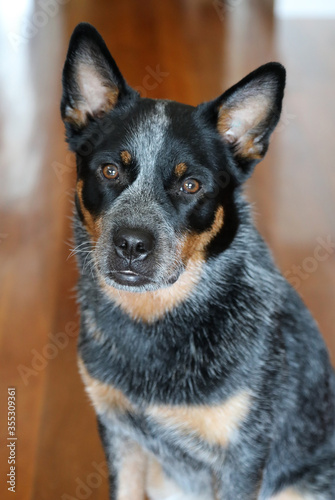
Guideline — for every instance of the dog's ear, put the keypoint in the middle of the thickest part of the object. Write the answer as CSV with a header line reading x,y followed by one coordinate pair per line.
x,y
92,82
247,113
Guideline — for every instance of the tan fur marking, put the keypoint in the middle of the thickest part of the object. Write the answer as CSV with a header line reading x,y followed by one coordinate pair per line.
x,y
224,120
159,486
79,116
214,424
292,494
93,225
251,150
75,116
243,122
112,98
91,326
150,306
125,157
132,474
180,169
195,244
105,398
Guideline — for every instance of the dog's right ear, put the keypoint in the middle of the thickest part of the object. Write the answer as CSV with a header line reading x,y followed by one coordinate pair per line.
x,y
92,82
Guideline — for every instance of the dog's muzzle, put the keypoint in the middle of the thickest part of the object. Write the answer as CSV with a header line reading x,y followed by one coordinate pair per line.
x,y
130,259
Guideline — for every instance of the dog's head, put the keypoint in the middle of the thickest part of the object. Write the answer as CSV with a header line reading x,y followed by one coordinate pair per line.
x,y
156,179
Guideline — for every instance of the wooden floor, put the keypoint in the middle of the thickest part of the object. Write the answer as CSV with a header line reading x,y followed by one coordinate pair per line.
x,y
202,48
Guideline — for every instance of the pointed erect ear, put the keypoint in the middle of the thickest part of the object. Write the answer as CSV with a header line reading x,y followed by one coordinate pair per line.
x,y
247,113
92,82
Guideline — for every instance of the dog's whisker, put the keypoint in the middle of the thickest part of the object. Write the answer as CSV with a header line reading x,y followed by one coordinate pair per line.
x,y
80,249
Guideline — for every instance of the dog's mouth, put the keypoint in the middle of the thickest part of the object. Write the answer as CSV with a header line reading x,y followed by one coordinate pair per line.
x,y
135,281
129,277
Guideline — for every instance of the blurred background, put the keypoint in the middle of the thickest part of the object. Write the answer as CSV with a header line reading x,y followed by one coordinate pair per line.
x,y
186,50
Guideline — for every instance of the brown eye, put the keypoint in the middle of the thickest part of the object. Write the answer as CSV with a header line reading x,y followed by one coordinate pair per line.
x,y
190,186
110,172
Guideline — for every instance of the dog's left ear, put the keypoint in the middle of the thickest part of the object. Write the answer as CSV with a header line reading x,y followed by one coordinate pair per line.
x,y
92,83
247,113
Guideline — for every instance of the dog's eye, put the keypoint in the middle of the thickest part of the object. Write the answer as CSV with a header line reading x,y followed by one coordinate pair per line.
x,y
190,186
110,171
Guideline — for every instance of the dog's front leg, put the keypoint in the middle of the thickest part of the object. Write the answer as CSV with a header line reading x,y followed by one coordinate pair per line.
x,y
237,488
127,463
240,477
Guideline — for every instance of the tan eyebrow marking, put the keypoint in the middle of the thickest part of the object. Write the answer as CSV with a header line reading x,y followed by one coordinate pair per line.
x,y
125,157
180,169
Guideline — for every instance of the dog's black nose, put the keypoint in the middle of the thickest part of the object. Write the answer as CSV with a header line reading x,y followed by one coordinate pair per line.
x,y
133,244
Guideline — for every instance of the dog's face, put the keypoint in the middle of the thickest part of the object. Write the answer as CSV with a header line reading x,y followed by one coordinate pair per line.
x,y
156,179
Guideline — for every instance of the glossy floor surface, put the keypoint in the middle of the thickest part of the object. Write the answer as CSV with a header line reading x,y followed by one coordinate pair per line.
x,y
197,48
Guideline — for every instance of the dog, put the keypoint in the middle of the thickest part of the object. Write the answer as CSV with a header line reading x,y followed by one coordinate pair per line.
x,y
208,375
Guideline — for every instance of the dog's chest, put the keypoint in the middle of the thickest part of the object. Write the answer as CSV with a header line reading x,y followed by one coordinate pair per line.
x,y
188,427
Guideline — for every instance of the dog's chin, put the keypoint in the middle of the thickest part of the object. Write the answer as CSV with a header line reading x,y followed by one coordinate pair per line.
x,y
138,283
